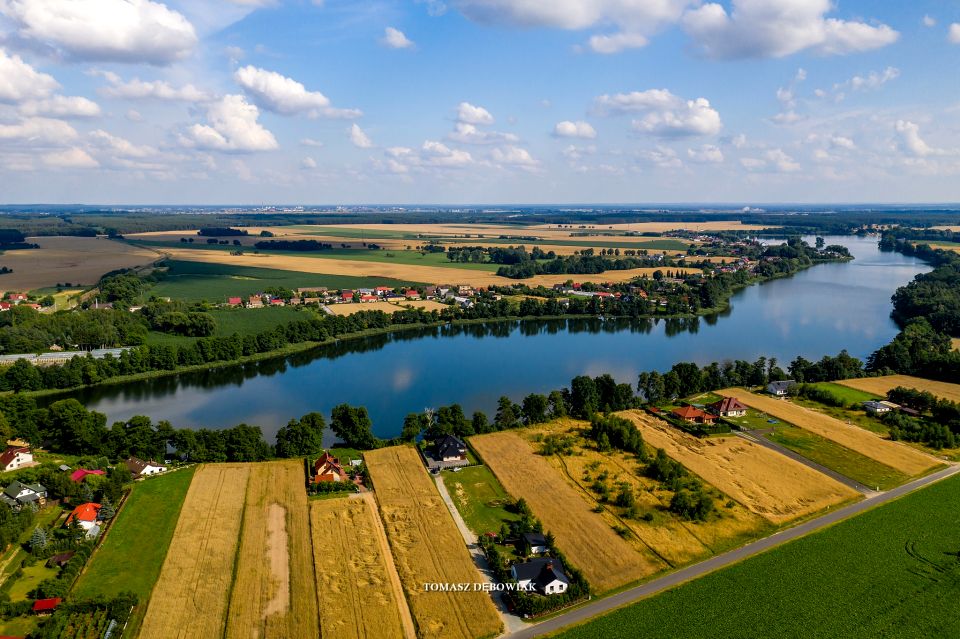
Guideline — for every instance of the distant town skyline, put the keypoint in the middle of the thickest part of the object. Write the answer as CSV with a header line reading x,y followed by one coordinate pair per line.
x,y
478,101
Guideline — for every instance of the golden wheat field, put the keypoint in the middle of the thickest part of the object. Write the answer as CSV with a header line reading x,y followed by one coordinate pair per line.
x,y
881,385
77,260
773,486
675,541
428,548
403,272
386,307
358,590
893,454
191,596
274,593
590,543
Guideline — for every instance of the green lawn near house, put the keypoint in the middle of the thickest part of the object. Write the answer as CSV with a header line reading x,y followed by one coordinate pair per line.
x,y
32,576
132,554
847,462
847,394
480,498
890,572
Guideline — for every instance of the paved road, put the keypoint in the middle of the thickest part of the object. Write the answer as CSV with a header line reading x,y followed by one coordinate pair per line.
x,y
511,622
757,438
601,606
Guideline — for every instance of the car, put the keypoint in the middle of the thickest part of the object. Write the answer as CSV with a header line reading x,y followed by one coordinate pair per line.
x,y
457,469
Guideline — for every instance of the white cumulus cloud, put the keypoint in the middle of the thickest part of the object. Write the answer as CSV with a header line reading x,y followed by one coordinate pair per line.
x,y
953,35
471,114
137,89
706,154
20,81
578,129
912,142
778,28
72,158
360,139
284,95
38,131
60,106
232,126
663,114
396,39
514,156
127,31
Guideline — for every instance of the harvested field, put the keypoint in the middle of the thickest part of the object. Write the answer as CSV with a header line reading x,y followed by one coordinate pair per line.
x,y
769,484
590,543
403,272
428,548
880,385
893,454
658,227
671,538
191,596
358,590
386,307
77,260
274,593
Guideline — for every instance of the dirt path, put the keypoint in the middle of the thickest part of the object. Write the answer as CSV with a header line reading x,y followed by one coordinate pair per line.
x,y
278,556
405,617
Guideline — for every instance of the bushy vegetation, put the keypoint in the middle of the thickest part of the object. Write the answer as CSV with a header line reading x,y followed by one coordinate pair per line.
x,y
293,245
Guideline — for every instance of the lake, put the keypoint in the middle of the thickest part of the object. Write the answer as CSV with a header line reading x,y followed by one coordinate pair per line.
x,y
817,312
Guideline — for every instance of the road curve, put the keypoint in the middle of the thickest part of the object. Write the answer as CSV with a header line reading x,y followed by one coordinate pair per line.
x,y
601,606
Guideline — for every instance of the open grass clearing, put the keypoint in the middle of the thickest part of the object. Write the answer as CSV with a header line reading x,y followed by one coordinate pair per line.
x,y
848,463
191,596
428,548
358,593
891,571
896,455
480,499
589,542
848,394
140,535
881,385
771,485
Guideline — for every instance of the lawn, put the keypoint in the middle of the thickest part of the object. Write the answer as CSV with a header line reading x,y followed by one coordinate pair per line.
x,y
131,555
245,321
754,420
480,498
195,281
18,626
890,572
847,394
32,576
847,462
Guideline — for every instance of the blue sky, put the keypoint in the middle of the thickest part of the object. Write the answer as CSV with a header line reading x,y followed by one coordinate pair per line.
x,y
479,101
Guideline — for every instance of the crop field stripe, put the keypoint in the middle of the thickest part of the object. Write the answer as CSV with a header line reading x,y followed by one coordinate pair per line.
x,y
880,385
589,543
191,597
894,454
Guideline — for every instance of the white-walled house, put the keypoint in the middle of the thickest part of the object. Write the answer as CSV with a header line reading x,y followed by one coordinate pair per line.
x,y
15,457
543,574
140,468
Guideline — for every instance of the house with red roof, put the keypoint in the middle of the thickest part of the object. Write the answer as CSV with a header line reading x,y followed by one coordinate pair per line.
x,y
79,474
46,606
328,468
693,415
87,517
728,407
369,298
411,294
17,297
235,301
346,296
15,457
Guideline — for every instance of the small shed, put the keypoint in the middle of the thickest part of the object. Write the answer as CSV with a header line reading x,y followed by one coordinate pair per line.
x,y
46,606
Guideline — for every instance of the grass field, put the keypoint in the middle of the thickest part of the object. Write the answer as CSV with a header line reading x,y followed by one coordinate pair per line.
x,y
672,539
775,487
898,456
356,592
890,572
606,559
139,536
74,260
480,499
880,385
198,280
428,548
32,576
245,321
190,598
848,463
848,394
274,592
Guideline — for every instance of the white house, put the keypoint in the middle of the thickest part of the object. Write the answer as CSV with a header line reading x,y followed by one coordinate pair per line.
x,y
780,388
543,574
879,408
534,543
141,468
15,457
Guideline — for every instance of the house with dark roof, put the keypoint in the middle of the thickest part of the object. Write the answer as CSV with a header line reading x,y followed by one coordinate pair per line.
x,y
780,388
15,457
17,495
544,575
59,561
533,543
140,468
728,407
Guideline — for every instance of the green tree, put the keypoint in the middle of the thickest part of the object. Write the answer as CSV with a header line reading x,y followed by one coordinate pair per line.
x,y
301,437
353,426
534,409
584,397
23,376
413,425
107,512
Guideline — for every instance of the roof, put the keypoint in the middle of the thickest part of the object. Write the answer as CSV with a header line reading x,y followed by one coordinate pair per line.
x,y
62,558
541,571
41,605
876,405
728,404
449,446
80,473
534,539
781,384
85,512
10,453
688,412
137,465
16,487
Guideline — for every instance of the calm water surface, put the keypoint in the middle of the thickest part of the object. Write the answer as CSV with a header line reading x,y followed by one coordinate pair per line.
x,y
817,312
